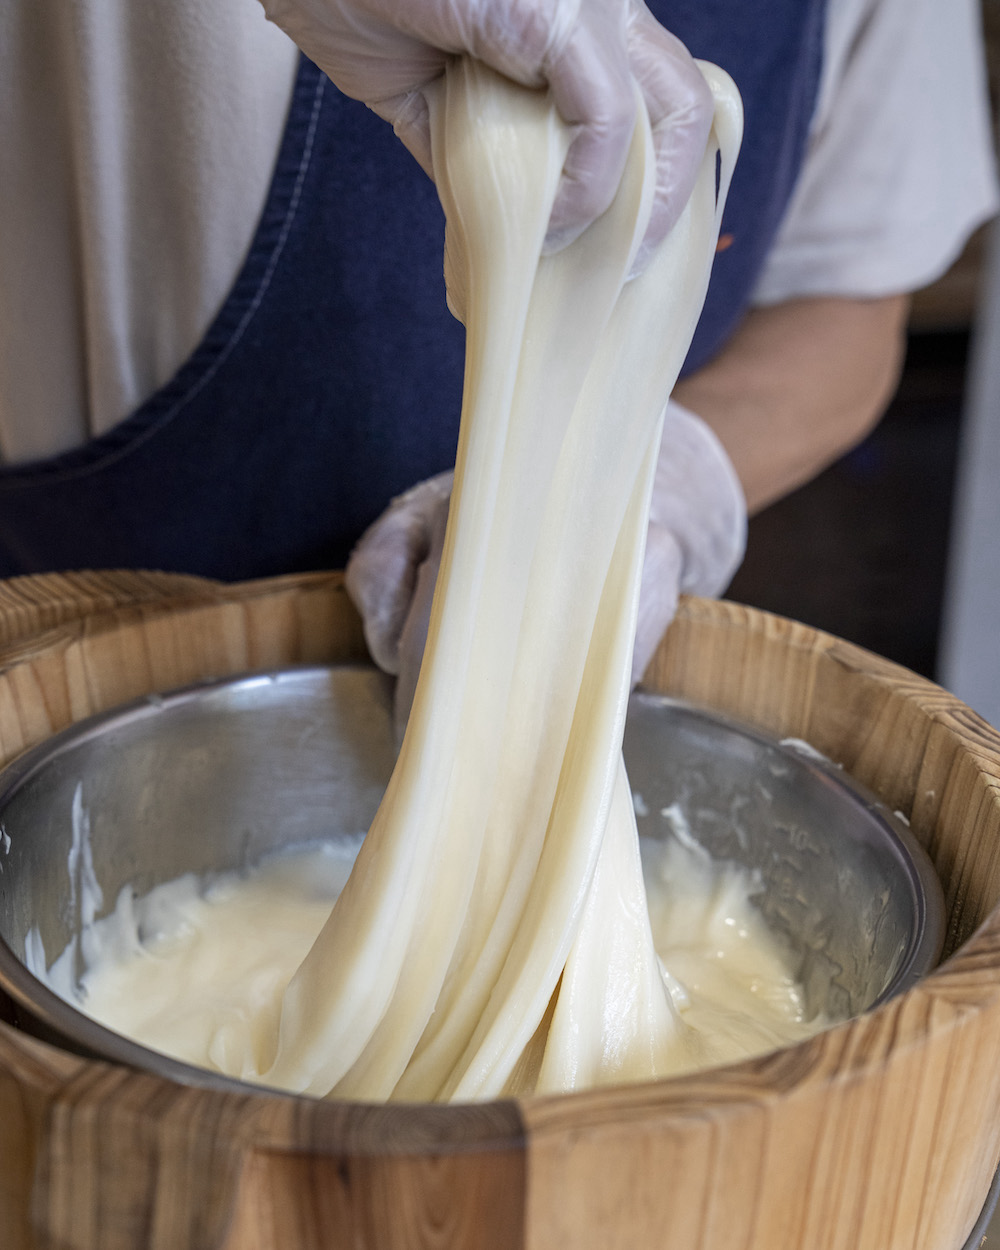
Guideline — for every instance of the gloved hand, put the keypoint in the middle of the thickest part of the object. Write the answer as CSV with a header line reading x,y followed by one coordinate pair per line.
x,y
695,541
697,527
586,51
390,577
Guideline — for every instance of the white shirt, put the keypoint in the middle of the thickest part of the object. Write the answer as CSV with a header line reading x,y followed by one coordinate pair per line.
x,y
899,169
138,141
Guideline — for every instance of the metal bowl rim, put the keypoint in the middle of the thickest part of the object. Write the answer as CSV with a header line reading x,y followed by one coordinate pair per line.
x,y
95,1041
927,895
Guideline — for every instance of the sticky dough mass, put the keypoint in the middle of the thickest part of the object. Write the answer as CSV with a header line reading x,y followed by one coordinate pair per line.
x,y
498,895
493,936
197,970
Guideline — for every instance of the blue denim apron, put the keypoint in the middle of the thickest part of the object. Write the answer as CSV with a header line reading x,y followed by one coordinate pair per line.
x,y
331,379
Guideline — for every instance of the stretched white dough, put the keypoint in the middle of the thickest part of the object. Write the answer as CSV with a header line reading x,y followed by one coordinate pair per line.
x,y
461,960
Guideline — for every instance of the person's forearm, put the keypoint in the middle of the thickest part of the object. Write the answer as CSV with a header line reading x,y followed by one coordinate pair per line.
x,y
799,384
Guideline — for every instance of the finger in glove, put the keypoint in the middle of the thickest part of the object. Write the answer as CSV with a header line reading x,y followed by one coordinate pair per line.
x,y
382,572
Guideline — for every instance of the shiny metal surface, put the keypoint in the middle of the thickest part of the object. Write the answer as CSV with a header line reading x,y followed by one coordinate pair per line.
x,y
216,777
843,879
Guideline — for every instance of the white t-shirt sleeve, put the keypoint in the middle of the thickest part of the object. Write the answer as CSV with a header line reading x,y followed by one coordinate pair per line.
x,y
900,166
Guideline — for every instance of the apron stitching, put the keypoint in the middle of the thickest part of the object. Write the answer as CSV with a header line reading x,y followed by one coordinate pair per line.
x,y
112,457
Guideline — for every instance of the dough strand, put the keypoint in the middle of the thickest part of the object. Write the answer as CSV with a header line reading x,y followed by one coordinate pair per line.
x,y
489,857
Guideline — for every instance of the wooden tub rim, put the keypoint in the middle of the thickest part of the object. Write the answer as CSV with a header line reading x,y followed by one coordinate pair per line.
x,y
842,1054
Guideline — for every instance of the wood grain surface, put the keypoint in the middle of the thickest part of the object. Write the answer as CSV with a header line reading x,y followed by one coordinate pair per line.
x,y
881,1134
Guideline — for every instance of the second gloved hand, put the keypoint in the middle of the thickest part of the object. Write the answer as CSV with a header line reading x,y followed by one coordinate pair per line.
x,y
694,544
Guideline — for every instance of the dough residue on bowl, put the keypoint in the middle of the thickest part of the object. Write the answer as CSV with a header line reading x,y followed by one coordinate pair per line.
x,y
197,970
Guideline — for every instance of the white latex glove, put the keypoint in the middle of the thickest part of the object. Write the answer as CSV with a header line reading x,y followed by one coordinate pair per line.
x,y
390,578
694,544
697,527
586,51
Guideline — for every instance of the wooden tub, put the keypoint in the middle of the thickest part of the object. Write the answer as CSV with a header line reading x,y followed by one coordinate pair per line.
x,y
881,1134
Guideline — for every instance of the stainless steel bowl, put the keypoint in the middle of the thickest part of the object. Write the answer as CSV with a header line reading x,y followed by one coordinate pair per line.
x,y
215,777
